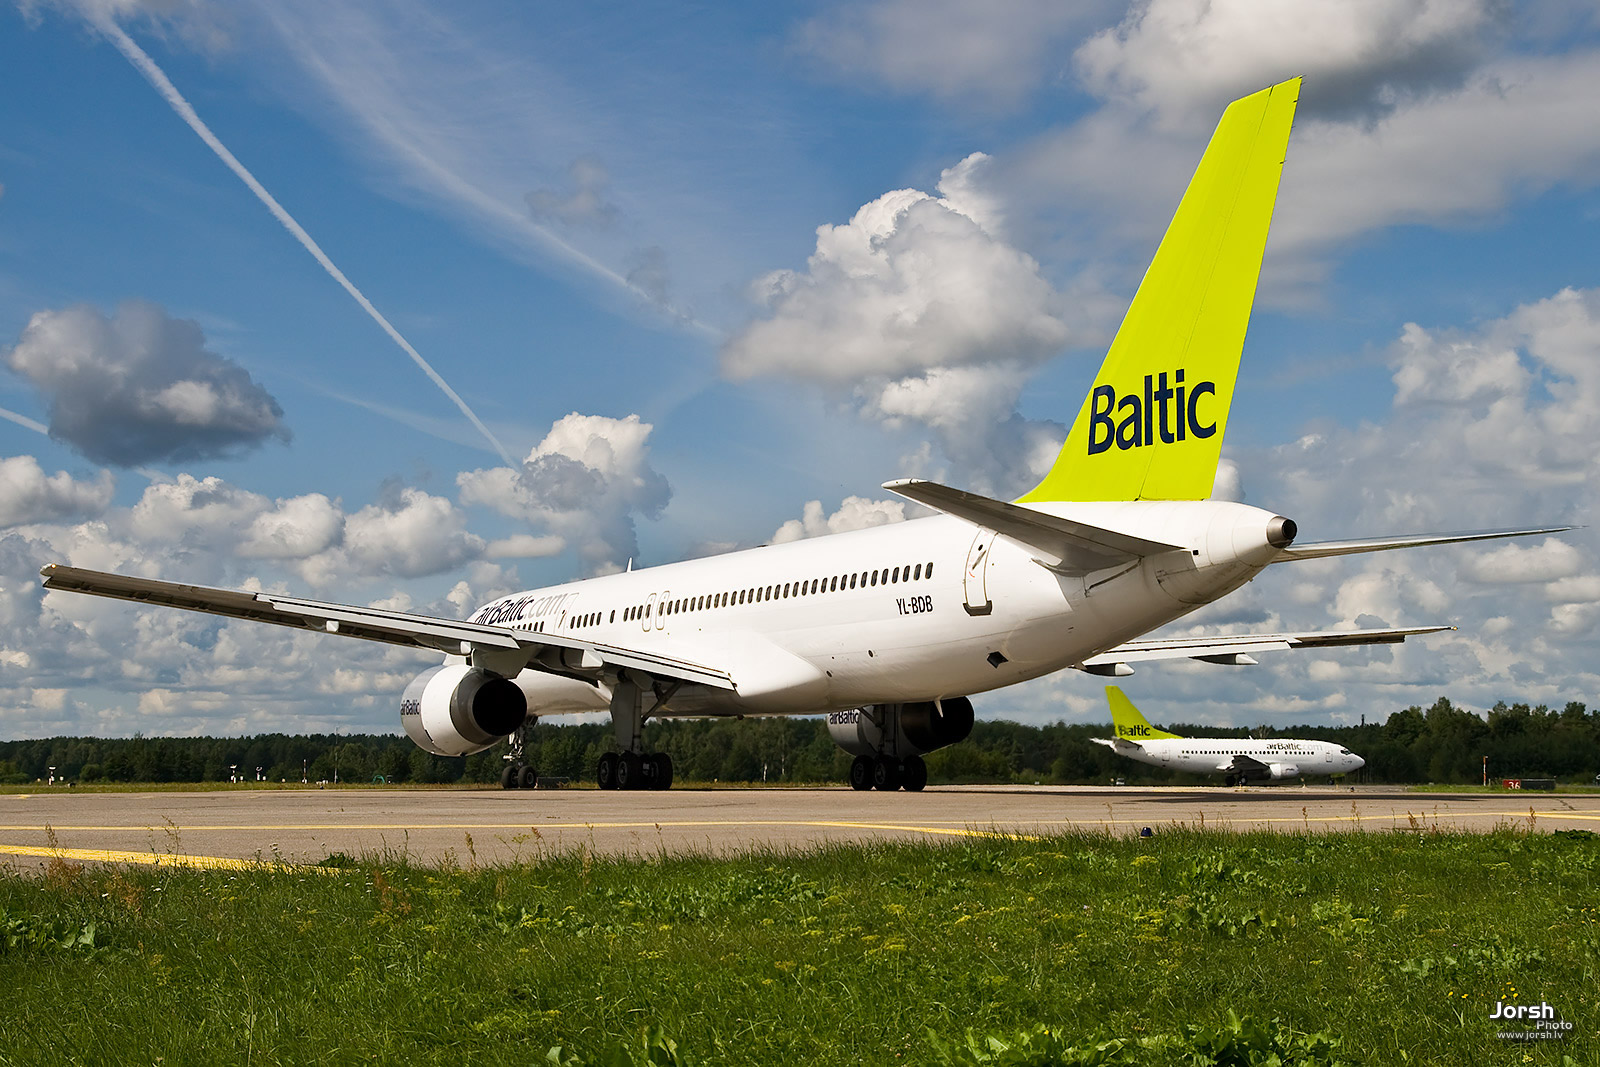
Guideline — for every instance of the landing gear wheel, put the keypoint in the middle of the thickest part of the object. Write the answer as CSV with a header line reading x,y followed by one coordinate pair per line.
x,y
630,771
913,774
508,777
886,774
1243,781
662,776
605,774
861,773
527,777
1229,780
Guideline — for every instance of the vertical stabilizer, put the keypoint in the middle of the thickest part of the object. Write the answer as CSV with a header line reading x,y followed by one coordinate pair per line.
x,y
1129,724
1152,426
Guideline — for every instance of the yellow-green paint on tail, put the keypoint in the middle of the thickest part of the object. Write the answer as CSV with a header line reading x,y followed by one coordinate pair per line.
x,y
1152,426
1125,718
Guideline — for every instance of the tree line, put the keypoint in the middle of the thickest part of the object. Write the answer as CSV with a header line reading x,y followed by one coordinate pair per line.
x,y
1442,743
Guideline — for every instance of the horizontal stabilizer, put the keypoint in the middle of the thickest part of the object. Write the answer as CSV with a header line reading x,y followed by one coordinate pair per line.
x,y
553,653
1323,549
1238,648
1066,547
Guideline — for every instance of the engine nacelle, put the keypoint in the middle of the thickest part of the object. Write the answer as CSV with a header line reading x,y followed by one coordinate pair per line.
x,y
901,730
456,710
1284,770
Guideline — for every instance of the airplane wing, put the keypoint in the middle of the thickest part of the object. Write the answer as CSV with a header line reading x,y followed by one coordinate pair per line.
x,y
1246,765
1323,549
1237,649
502,645
1067,547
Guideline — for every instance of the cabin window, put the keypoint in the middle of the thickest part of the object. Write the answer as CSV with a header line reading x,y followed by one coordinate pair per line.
x,y
929,572
894,576
917,575
874,578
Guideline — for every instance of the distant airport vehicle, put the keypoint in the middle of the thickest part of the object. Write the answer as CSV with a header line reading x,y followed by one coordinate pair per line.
x,y
889,631
1239,760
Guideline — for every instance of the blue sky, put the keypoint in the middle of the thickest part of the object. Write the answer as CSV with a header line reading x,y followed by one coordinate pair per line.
x,y
602,229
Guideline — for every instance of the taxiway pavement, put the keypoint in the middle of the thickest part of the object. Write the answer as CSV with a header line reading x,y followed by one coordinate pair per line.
x,y
223,827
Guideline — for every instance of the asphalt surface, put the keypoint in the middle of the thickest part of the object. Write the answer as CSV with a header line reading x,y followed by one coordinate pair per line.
x,y
225,827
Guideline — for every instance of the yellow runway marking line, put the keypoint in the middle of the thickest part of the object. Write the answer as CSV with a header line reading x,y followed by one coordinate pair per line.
x,y
1222,821
152,859
951,830
952,827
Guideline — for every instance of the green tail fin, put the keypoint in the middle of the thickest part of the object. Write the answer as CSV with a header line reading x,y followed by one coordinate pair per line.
x,y
1130,725
1152,426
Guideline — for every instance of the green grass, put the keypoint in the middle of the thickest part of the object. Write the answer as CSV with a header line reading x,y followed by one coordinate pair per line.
x,y
1379,948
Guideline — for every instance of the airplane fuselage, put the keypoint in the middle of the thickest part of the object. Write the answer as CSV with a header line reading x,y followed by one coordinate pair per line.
x,y
1241,757
921,610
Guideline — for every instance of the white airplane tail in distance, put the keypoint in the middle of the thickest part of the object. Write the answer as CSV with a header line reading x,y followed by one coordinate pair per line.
x,y
889,632
1239,760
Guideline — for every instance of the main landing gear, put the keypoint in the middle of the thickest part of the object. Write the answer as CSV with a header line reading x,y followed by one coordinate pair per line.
x,y
517,774
881,772
632,768
629,770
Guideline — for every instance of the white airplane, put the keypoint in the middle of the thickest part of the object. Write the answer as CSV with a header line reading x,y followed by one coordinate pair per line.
x,y
1240,759
889,631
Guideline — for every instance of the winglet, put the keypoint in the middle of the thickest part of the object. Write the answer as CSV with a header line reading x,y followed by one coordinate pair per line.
x,y
1151,428
1130,725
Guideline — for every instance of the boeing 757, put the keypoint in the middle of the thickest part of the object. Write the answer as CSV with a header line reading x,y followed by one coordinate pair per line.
x,y
1239,759
889,631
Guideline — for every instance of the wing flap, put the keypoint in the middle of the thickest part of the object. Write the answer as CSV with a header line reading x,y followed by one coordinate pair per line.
x,y
1220,647
544,652
1067,547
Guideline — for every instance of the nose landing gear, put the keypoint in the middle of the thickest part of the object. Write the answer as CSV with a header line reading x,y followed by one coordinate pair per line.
x,y
517,774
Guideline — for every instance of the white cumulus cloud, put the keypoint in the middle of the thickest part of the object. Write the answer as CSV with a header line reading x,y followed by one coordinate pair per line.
x,y
1185,58
141,387
584,483
28,495
855,513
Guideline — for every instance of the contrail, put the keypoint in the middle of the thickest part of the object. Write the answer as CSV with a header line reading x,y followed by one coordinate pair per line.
x,y
23,420
153,74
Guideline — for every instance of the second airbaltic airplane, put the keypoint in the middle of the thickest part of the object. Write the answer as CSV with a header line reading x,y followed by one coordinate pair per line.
x,y
889,631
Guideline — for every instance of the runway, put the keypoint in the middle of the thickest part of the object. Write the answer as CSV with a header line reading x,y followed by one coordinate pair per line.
x,y
227,827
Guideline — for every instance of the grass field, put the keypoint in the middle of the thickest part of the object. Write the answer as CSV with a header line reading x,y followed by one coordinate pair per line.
x,y
1190,947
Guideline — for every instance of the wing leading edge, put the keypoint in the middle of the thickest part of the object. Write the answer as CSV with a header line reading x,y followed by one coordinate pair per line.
x,y
501,648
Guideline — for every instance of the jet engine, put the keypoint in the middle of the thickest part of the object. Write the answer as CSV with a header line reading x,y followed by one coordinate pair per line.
x,y
901,730
456,710
1284,770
